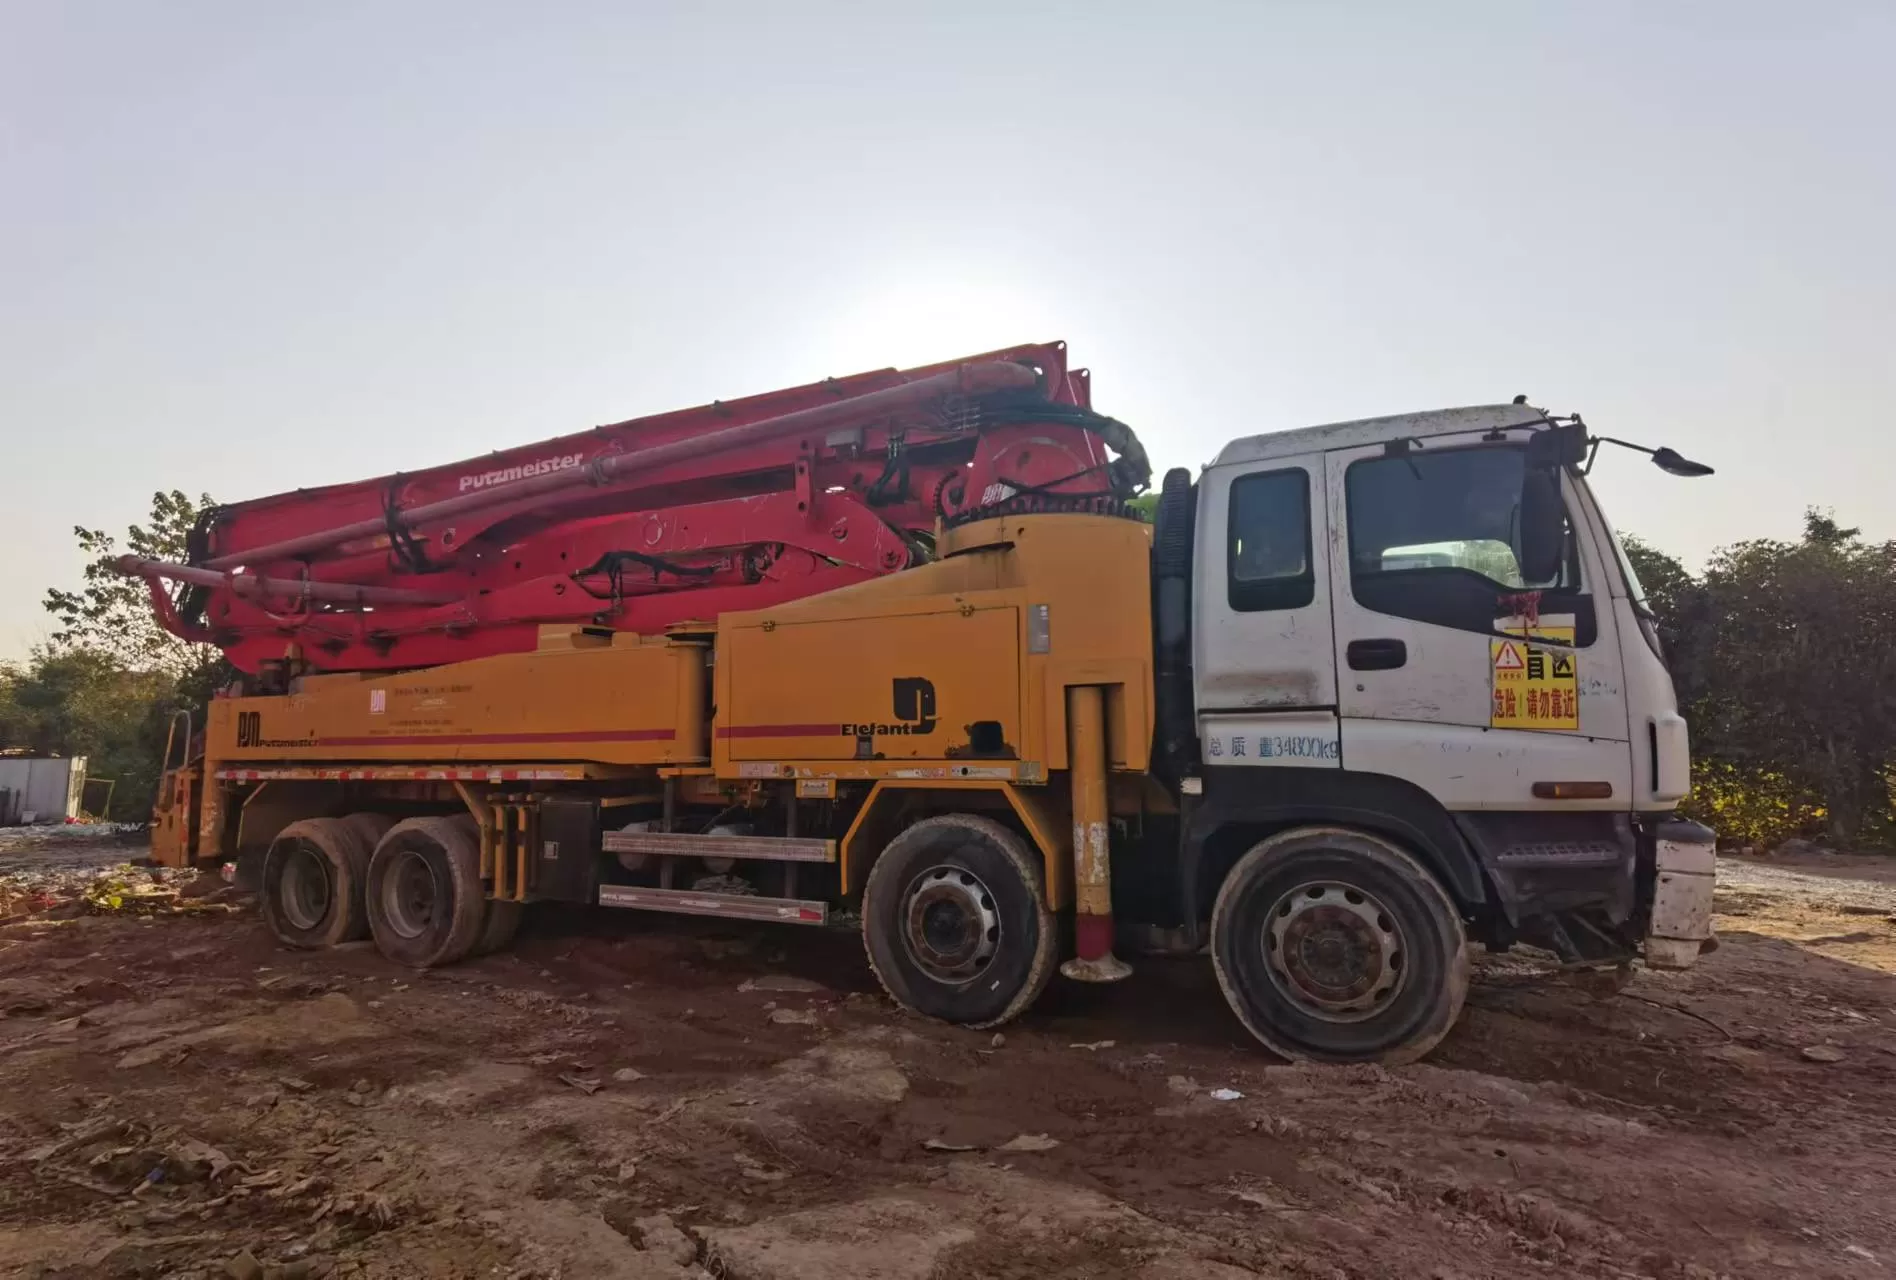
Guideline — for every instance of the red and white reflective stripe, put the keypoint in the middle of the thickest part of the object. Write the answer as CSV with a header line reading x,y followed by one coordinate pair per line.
x,y
397,774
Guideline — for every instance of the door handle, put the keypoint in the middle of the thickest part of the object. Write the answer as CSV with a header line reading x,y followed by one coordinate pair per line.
x,y
1376,655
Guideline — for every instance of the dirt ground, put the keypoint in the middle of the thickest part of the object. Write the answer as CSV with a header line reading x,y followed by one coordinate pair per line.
x,y
630,1096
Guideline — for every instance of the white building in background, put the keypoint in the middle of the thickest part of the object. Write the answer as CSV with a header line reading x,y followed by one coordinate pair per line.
x,y
38,789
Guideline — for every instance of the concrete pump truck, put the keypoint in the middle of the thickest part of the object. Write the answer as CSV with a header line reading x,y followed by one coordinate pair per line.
x,y
1356,698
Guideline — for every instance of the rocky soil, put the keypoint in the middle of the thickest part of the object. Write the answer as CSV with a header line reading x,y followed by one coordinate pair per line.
x,y
626,1096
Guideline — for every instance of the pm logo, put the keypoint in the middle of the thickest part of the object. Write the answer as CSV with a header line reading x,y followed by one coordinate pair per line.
x,y
914,711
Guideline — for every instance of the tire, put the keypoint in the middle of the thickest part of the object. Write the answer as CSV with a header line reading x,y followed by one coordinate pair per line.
x,y
426,905
975,873
370,827
498,929
502,919
1334,945
312,890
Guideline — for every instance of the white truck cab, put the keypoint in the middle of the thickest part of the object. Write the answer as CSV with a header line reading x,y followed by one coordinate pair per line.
x,y
1414,644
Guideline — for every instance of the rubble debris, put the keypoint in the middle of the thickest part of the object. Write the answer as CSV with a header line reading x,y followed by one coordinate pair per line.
x,y
756,1170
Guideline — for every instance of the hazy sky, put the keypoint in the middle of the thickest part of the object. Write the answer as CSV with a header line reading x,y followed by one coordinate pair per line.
x,y
246,247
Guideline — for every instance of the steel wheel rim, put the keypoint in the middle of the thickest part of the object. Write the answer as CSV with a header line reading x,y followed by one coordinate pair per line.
x,y
305,890
1335,951
410,891
950,927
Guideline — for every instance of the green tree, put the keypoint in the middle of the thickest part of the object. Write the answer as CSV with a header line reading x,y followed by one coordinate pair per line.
x,y
1793,666
81,702
1666,581
1678,604
112,614
110,681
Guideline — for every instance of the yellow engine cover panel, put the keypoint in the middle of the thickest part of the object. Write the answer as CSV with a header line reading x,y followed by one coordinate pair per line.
x,y
906,686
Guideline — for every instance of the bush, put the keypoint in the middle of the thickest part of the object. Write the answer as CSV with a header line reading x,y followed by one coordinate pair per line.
x,y
1752,807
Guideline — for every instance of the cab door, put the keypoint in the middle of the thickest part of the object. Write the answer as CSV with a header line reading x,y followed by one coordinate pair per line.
x,y
1263,661
1455,672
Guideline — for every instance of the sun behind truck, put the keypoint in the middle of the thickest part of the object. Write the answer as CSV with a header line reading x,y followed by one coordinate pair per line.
x,y
1359,697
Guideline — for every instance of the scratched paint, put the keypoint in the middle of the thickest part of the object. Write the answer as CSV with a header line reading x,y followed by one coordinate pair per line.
x,y
1095,868
1090,839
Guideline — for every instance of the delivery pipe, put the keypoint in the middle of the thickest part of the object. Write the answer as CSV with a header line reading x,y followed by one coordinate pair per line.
x,y
1094,960
965,380
253,586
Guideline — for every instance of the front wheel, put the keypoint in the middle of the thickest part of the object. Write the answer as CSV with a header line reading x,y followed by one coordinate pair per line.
x,y
954,924
1334,945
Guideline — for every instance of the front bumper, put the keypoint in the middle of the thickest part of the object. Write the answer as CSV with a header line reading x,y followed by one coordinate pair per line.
x,y
1685,872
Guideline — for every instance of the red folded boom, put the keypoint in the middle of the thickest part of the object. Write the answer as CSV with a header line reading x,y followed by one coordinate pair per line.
x,y
646,523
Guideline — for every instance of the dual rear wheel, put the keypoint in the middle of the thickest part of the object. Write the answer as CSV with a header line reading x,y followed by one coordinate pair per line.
x,y
414,886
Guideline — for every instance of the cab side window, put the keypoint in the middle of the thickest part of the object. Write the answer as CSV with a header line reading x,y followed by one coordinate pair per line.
x,y
1267,551
1435,535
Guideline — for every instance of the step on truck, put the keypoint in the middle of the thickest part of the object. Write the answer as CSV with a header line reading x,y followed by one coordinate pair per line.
x,y
1351,700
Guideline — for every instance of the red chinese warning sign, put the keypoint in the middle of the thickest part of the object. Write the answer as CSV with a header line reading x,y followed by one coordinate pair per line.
x,y
1535,687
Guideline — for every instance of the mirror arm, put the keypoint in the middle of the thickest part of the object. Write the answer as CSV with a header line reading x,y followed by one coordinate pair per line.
x,y
1624,444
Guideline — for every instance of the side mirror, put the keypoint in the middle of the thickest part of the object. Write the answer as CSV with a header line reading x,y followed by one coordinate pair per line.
x,y
1558,446
1543,526
1672,463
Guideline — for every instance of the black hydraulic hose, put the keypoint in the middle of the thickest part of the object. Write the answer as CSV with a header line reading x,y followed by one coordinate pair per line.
x,y
1131,471
1176,748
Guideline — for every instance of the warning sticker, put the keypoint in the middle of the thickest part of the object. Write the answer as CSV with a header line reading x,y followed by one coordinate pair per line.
x,y
1535,687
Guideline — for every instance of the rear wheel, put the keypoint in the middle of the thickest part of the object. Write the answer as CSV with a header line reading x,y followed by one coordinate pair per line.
x,y
312,891
426,906
954,924
1335,945
502,919
498,928
370,828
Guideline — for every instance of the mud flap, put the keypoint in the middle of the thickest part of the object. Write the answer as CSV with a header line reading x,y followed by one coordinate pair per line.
x,y
1685,873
